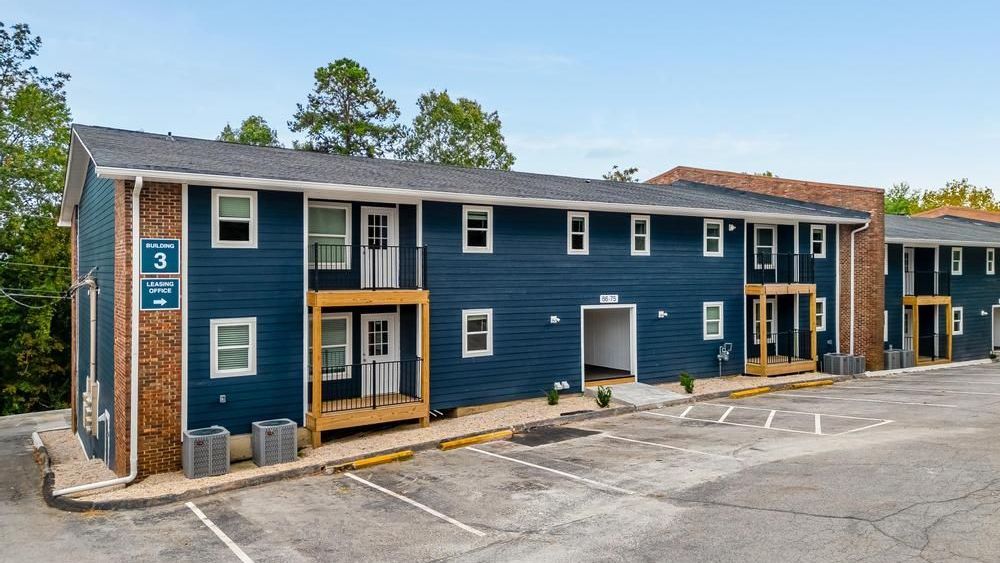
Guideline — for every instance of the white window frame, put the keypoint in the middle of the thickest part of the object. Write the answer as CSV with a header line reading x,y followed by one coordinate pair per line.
x,y
704,238
956,271
466,313
772,321
649,239
773,248
570,215
348,355
346,264
821,313
704,320
885,326
251,369
885,255
252,196
488,249
958,312
991,261
821,229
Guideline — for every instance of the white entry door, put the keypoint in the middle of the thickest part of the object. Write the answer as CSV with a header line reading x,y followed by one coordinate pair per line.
x,y
907,328
379,247
380,354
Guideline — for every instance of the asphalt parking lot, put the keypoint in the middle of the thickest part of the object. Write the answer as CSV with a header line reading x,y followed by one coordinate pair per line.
x,y
887,469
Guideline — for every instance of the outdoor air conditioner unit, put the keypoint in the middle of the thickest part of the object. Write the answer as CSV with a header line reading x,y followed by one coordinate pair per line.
x,y
837,364
205,452
274,441
907,359
893,359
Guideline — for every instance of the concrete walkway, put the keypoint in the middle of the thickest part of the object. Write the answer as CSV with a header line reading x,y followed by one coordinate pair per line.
x,y
640,394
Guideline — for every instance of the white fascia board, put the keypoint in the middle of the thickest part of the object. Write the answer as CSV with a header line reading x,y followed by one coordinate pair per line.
x,y
76,175
940,242
403,195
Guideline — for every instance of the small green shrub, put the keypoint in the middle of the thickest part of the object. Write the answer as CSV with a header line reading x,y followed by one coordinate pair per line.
x,y
603,396
552,395
687,382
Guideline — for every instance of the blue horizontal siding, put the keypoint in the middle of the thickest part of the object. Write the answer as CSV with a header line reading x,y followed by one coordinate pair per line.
x,y
266,283
974,291
96,240
529,277
894,295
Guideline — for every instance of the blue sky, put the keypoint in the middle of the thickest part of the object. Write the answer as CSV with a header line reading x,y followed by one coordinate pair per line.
x,y
858,92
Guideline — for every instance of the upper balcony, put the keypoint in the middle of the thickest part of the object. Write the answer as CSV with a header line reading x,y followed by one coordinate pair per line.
x,y
335,267
926,283
794,273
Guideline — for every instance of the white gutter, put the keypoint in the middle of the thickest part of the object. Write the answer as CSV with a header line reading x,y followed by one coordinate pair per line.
x,y
92,367
939,242
134,375
854,232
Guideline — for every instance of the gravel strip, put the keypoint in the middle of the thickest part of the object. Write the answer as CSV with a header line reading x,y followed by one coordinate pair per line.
x,y
69,464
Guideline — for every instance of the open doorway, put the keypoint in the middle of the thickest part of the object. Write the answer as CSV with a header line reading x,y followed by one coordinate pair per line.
x,y
608,350
995,310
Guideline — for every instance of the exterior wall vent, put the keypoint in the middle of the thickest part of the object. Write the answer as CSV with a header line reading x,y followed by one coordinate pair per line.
x,y
274,441
205,452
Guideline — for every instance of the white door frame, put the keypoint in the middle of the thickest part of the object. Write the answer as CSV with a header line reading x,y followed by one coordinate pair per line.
x,y
392,276
907,328
393,318
633,340
909,278
993,318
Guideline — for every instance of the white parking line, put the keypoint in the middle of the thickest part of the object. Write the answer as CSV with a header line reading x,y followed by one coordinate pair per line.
x,y
768,425
828,397
412,502
725,414
819,425
669,447
922,390
556,471
221,535
686,411
770,419
717,422
948,380
801,412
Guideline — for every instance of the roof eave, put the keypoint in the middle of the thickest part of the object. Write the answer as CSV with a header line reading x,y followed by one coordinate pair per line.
x,y
297,185
940,242
76,175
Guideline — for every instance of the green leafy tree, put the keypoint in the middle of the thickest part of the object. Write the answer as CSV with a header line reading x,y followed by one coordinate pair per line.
x,y
960,193
346,113
253,131
621,174
900,199
457,132
766,174
34,322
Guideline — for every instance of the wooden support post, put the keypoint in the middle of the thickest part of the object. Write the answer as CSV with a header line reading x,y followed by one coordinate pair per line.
x,y
317,374
762,330
425,363
812,325
916,334
950,325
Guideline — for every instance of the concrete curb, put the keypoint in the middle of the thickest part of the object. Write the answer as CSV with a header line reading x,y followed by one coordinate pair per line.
x,y
335,466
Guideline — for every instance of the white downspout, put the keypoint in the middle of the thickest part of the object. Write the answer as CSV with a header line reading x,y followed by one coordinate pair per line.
x,y
134,375
854,232
92,367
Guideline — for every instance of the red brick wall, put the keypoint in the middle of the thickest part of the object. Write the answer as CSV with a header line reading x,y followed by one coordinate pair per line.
x,y
869,245
159,338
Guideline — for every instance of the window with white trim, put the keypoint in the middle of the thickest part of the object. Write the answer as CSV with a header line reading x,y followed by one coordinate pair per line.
x,y
477,332
817,238
329,233
885,326
820,314
577,232
712,321
234,219
956,261
765,245
233,347
640,235
477,229
957,320
713,243
885,256
770,307
991,261
335,348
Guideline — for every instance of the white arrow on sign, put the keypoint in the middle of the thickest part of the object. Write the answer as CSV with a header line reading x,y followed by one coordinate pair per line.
x,y
161,302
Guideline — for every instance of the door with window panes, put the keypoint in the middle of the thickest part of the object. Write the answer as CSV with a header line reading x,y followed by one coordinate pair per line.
x,y
379,248
380,354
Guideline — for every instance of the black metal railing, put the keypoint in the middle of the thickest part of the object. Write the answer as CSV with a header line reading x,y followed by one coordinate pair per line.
x,y
929,346
782,347
770,267
369,385
916,282
339,266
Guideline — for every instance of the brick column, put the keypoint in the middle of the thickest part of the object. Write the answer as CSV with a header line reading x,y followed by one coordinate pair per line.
x,y
159,338
869,281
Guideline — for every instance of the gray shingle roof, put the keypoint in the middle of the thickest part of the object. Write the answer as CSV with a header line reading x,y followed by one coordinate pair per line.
x,y
116,148
941,230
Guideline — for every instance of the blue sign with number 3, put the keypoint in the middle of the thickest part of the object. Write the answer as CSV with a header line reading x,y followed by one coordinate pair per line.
x,y
160,256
